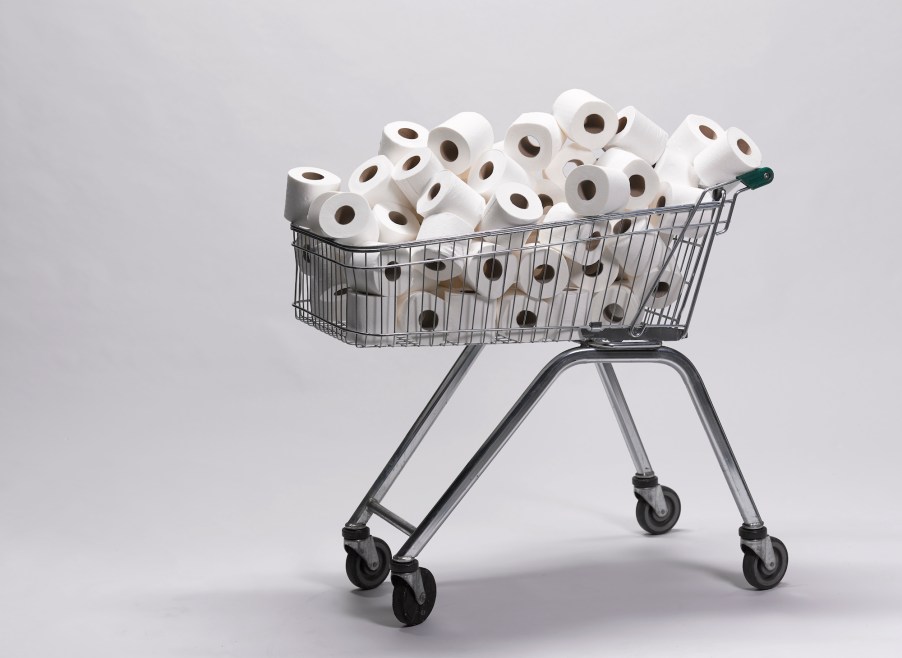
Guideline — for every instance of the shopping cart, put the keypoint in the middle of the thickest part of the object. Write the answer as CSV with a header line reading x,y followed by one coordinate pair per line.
x,y
632,283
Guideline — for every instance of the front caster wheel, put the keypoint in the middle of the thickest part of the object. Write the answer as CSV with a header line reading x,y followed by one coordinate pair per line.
x,y
756,572
649,520
360,573
404,604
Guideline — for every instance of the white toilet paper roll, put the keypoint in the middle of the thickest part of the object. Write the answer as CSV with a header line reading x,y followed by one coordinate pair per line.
x,y
489,270
304,185
532,141
493,168
676,168
616,305
441,261
596,190
373,181
643,181
543,272
330,304
694,135
513,205
460,140
421,312
586,119
446,193
597,275
371,319
671,223
638,248
383,273
348,218
579,242
566,160
313,212
569,310
726,158
667,286
413,173
639,135
549,193
400,138
521,317
469,317
397,223
443,225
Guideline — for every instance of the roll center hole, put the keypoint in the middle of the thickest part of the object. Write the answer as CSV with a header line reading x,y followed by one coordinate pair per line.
x,y
345,215
662,289
434,265
543,273
594,241
410,163
520,201
707,132
486,170
546,202
593,123
368,173
434,190
614,313
449,151
661,203
637,185
312,175
492,269
623,226
586,190
621,124
408,133
393,272
529,146
527,319
428,320
397,217
744,146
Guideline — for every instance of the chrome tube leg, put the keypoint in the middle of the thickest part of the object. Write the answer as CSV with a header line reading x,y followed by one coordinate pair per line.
x,y
415,435
625,420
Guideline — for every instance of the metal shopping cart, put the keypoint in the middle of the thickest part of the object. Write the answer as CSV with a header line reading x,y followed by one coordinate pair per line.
x,y
632,281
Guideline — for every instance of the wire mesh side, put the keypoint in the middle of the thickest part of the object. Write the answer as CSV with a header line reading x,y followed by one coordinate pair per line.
x,y
638,270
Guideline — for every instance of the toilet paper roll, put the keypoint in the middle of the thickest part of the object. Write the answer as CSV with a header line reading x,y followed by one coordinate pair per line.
x,y
672,223
533,140
373,181
330,304
549,193
638,248
596,190
397,223
597,275
513,205
383,273
460,140
694,135
313,212
489,270
348,218
543,272
304,185
412,174
666,285
521,317
443,225
569,310
579,242
726,158
643,181
400,138
469,317
446,193
441,261
639,135
371,319
676,168
566,160
493,168
421,312
616,305
586,119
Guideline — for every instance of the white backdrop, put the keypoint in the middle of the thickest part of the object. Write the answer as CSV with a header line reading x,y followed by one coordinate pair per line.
x,y
177,454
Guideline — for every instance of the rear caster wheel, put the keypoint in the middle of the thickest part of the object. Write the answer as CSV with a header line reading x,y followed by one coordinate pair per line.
x,y
758,574
360,573
649,520
407,609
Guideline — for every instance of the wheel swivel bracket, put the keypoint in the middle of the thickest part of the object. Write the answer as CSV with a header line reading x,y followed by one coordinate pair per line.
x,y
408,570
365,547
654,496
763,548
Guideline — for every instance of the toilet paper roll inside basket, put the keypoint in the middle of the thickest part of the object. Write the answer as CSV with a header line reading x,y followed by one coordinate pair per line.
x,y
671,223
304,185
584,118
597,190
513,206
521,317
543,272
387,273
373,181
596,275
639,135
727,158
532,140
490,270
568,312
566,160
413,173
460,140
549,193
581,242
397,223
643,181
469,318
421,312
445,260
493,168
446,193
666,287
348,218
330,303
371,319
615,305
400,138
693,135
638,248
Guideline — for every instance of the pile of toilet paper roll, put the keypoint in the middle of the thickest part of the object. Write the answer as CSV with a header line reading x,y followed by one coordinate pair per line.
x,y
438,187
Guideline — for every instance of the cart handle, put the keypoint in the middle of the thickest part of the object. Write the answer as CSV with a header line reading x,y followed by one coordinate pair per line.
x,y
757,177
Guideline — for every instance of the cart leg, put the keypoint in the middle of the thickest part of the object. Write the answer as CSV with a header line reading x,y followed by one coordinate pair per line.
x,y
657,507
365,563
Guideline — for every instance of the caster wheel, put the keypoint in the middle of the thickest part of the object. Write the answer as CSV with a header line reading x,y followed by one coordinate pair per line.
x,y
359,572
757,574
404,602
649,520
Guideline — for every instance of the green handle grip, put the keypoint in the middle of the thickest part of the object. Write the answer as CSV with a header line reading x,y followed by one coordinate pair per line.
x,y
757,177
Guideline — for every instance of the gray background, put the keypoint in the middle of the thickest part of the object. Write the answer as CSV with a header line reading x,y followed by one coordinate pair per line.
x,y
178,454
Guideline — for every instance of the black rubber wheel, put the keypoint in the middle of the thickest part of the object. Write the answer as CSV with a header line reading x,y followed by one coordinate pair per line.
x,y
756,572
359,572
404,602
653,524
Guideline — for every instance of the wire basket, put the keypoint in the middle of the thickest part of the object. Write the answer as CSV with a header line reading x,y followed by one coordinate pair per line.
x,y
616,277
